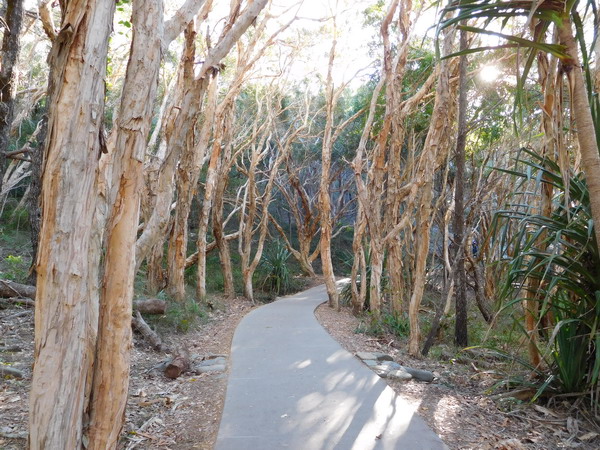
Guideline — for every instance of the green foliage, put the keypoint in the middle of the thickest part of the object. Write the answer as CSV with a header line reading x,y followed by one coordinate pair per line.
x,y
560,255
184,316
395,324
15,268
15,218
277,278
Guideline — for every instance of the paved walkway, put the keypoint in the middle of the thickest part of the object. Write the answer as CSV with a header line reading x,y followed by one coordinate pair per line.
x,y
291,386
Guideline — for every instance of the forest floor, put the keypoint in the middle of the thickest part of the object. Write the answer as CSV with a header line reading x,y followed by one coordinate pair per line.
x,y
185,413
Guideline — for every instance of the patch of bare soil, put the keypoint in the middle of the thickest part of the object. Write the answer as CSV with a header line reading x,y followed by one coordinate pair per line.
x,y
456,405
183,413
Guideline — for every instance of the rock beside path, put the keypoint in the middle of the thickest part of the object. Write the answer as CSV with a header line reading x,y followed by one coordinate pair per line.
x,y
211,364
384,366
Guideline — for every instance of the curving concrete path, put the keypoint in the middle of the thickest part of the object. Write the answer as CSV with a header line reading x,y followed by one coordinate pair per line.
x,y
291,386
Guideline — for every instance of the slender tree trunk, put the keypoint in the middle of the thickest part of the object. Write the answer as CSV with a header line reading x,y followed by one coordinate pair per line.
x,y
35,194
218,226
187,181
209,188
434,150
586,133
460,329
324,198
155,274
111,369
67,289
10,54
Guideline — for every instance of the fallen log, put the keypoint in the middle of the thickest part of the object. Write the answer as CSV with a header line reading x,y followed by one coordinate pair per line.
x,y
12,289
179,364
150,306
140,325
145,306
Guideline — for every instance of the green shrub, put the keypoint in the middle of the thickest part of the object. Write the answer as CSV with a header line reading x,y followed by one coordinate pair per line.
x,y
277,278
396,324
15,268
560,254
184,315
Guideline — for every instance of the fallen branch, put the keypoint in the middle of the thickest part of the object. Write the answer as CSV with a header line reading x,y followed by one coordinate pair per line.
x,y
140,325
9,371
17,301
17,315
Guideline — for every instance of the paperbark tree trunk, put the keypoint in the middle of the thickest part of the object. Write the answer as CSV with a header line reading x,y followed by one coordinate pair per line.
x,y
66,317
180,115
218,221
209,188
10,54
324,198
111,369
580,108
187,180
434,151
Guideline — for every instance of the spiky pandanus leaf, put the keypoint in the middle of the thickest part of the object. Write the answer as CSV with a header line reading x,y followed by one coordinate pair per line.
x,y
561,253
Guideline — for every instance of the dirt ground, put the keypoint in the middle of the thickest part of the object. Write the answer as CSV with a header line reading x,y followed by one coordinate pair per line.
x,y
184,413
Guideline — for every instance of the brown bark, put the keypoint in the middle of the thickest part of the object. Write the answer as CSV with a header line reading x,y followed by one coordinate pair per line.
x,y
180,115
218,225
580,108
111,370
209,187
255,205
188,173
177,366
300,205
434,150
67,297
35,194
324,198
45,11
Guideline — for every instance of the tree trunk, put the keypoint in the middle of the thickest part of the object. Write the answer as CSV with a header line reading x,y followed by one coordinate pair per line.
x,y
434,150
187,181
580,108
218,226
209,188
111,369
8,76
66,317
35,194
324,199
460,329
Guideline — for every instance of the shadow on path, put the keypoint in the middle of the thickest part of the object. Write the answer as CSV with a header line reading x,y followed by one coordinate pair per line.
x,y
292,386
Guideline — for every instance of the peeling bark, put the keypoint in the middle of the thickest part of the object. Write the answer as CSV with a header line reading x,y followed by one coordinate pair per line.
x,y
66,316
